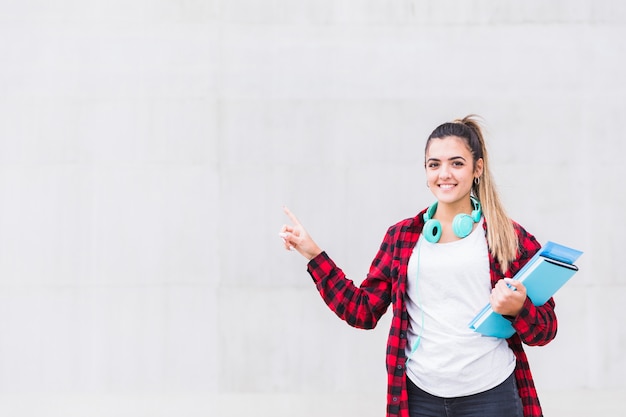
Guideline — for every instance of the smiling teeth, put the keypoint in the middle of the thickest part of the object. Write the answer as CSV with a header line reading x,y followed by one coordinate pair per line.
x,y
446,186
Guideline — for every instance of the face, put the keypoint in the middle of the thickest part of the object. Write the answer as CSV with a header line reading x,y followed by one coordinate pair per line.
x,y
450,169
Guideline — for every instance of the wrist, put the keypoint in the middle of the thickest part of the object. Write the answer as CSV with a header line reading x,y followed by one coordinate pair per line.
x,y
313,254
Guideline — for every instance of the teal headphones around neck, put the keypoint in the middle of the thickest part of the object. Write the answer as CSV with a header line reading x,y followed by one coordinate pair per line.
x,y
462,224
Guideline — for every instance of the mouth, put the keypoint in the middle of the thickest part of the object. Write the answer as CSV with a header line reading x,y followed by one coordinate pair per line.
x,y
446,186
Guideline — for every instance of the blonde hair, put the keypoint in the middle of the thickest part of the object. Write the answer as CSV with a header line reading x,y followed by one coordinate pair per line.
x,y
501,236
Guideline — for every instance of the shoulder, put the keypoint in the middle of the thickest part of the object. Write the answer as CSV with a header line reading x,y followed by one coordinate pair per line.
x,y
414,223
525,239
405,232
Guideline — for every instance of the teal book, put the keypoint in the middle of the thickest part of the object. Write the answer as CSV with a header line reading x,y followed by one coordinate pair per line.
x,y
543,275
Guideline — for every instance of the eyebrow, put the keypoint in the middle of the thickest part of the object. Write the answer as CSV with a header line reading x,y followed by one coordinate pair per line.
x,y
449,159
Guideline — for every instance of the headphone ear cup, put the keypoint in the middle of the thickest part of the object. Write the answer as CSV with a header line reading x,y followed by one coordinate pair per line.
x,y
432,231
462,225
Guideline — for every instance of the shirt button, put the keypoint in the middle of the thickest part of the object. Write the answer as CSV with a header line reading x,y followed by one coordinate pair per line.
x,y
394,399
399,366
401,335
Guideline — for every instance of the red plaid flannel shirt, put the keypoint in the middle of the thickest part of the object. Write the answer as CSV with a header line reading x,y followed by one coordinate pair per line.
x,y
385,284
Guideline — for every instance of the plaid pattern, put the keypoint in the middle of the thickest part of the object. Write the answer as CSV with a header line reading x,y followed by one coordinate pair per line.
x,y
385,284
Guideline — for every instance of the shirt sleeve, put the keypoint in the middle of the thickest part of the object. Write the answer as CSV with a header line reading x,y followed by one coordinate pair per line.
x,y
536,326
359,306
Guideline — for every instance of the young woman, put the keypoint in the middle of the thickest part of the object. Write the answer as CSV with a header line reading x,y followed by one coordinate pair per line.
x,y
437,270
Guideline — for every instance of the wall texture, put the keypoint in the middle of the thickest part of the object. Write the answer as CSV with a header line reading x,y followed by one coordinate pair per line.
x,y
146,149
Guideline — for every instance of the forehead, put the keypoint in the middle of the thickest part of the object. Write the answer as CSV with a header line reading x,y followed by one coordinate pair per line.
x,y
447,146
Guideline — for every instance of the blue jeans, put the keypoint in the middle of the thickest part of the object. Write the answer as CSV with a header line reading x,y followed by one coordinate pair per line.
x,y
500,401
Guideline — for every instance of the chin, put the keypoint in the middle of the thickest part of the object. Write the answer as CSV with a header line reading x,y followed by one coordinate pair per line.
x,y
451,196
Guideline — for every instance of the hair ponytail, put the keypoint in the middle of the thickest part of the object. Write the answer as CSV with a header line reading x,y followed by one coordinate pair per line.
x,y
501,236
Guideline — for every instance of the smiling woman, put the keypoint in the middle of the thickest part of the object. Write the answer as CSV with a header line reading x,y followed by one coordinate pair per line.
x,y
437,270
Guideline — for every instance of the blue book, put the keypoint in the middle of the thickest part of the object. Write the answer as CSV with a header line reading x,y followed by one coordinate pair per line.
x,y
543,275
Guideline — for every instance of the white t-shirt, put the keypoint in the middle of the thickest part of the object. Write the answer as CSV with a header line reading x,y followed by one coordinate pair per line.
x,y
447,285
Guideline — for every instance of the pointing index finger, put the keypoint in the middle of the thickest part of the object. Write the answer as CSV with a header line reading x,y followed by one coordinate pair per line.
x,y
291,216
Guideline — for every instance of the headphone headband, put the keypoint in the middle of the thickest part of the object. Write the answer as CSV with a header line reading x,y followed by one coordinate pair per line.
x,y
462,224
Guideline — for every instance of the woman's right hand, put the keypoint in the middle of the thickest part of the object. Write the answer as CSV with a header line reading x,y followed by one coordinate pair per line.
x,y
296,237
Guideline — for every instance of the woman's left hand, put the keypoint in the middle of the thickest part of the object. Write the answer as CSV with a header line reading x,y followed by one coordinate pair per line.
x,y
507,297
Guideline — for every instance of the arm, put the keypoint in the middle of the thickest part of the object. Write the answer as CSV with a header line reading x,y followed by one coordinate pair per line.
x,y
360,306
536,325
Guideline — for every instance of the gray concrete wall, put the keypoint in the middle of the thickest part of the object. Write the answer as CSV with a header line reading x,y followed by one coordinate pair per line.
x,y
146,149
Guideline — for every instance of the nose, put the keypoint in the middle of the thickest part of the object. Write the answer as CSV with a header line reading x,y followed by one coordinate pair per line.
x,y
444,171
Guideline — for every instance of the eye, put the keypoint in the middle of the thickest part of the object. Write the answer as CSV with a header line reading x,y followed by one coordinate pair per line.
x,y
458,163
433,164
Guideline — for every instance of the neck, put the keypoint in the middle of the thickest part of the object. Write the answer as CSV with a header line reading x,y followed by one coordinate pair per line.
x,y
446,212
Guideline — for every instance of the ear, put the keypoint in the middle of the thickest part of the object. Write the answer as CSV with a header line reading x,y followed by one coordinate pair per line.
x,y
478,168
